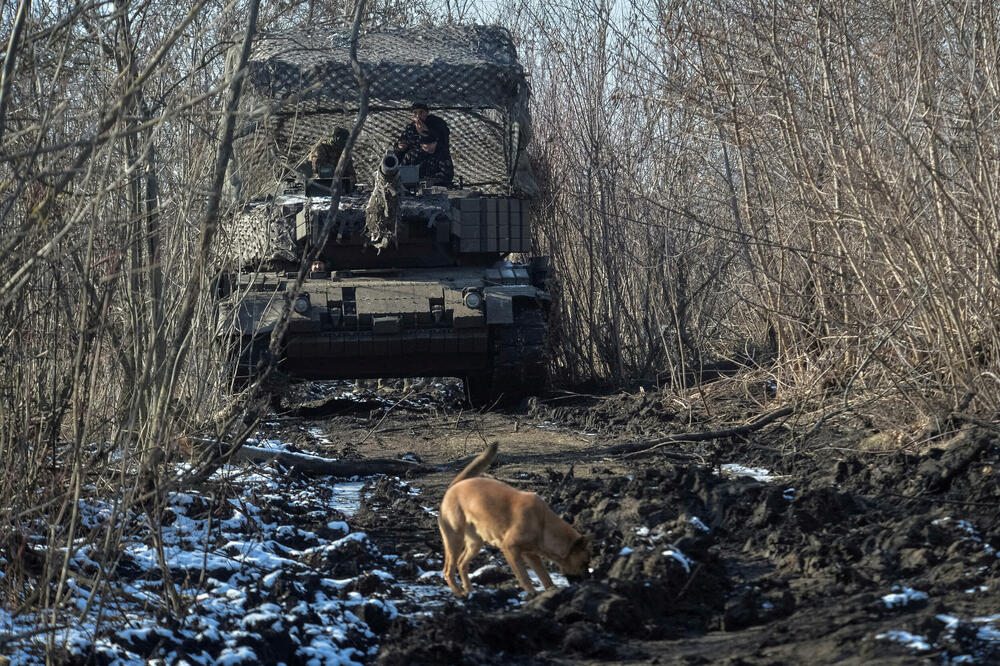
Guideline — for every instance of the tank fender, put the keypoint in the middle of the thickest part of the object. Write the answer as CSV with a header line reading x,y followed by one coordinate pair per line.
x,y
500,301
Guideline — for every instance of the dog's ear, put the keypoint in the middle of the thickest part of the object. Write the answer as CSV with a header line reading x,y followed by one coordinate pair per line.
x,y
582,542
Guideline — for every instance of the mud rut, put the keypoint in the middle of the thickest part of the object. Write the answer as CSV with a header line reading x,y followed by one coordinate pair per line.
x,y
841,556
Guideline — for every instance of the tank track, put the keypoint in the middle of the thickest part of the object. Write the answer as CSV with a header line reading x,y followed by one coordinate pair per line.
x,y
518,366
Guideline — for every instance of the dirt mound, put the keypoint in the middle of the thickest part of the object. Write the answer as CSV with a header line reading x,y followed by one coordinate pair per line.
x,y
622,414
891,553
389,502
656,575
580,620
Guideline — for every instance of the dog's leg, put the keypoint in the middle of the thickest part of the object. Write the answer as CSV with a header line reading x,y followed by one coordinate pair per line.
x,y
449,571
536,563
452,551
473,544
513,555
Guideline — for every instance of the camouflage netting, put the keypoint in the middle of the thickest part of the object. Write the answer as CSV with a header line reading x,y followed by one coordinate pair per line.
x,y
259,233
301,88
382,211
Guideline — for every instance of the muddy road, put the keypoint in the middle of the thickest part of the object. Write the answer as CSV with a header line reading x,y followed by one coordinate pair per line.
x,y
787,544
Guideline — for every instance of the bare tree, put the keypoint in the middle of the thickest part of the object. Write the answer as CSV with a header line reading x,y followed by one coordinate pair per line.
x,y
744,181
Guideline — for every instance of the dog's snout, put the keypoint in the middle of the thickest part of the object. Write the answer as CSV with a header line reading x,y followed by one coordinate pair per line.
x,y
576,578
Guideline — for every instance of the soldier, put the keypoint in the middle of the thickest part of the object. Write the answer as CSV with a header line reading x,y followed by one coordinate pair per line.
x,y
424,122
435,166
324,156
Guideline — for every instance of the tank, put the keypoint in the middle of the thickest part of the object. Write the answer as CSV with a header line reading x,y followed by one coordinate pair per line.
x,y
413,277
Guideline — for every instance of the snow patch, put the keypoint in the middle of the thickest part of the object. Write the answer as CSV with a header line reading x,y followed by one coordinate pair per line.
x,y
679,556
696,521
217,558
907,639
319,435
902,596
757,473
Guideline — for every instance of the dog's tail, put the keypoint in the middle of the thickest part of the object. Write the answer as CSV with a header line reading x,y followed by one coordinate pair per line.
x,y
477,466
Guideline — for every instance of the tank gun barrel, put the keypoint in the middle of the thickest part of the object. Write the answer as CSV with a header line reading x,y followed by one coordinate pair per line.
x,y
389,164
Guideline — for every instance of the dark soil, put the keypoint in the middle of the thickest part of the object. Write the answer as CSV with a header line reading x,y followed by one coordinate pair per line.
x,y
830,561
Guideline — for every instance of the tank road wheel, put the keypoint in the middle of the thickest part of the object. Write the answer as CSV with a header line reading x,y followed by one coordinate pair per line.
x,y
517,364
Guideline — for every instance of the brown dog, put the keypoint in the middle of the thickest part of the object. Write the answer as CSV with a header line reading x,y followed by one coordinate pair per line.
x,y
519,523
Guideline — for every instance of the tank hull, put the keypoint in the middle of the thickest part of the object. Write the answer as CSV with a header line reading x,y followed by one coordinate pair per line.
x,y
484,325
